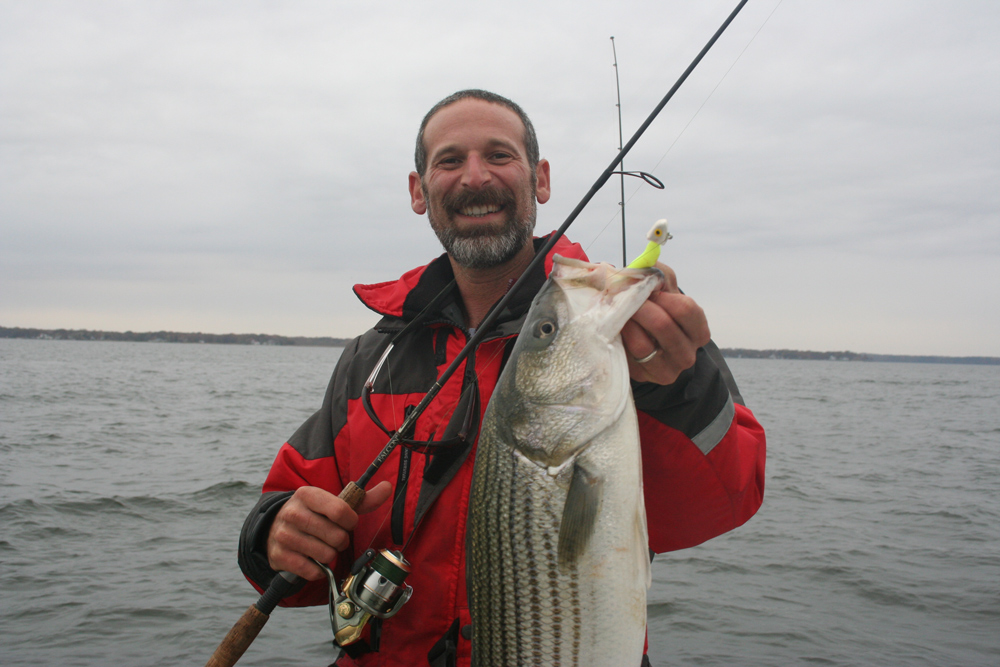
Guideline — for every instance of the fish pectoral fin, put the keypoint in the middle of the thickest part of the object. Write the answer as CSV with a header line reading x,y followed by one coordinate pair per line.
x,y
583,502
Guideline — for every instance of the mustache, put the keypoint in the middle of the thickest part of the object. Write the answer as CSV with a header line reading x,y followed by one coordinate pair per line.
x,y
487,197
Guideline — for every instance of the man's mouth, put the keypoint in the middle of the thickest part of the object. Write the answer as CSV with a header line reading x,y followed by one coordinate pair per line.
x,y
479,204
479,211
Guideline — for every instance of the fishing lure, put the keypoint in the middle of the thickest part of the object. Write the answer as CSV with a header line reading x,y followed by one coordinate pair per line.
x,y
656,236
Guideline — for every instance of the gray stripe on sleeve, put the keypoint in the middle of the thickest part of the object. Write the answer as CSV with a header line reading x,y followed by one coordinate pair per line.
x,y
712,434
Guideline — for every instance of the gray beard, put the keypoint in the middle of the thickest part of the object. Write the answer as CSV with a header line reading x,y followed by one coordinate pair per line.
x,y
485,247
485,251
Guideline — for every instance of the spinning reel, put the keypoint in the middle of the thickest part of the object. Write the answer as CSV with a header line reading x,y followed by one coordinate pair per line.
x,y
375,587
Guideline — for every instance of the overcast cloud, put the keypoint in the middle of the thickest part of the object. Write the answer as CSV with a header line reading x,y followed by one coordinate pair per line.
x,y
238,166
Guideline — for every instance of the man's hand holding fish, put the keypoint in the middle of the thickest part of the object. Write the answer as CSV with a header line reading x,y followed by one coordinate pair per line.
x,y
662,338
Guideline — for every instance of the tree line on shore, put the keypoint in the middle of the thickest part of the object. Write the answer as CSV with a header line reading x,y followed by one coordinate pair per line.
x,y
742,353
170,337
325,341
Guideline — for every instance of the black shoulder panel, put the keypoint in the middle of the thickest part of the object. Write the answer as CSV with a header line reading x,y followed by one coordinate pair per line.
x,y
410,368
699,404
314,439
716,354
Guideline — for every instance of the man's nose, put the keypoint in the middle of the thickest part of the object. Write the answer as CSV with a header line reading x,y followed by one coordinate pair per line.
x,y
477,172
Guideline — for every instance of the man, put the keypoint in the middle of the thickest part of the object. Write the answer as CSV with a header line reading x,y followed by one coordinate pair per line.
x,y
478,177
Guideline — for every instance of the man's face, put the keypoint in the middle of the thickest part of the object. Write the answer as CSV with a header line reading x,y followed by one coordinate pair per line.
x,y
478,190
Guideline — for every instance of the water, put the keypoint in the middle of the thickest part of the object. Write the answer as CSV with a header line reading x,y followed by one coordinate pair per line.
x,y
126,470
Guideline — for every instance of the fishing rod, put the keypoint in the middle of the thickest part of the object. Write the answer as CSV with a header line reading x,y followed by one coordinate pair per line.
x,y
246,629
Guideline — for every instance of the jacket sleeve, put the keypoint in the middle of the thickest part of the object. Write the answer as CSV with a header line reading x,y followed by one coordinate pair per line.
x,y
309,458
703,455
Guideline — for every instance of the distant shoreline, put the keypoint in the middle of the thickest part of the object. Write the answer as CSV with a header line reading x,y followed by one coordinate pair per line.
x,y
326,341
172,337
741,353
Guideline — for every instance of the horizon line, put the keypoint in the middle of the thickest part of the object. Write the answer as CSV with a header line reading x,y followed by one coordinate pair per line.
x,y
166,336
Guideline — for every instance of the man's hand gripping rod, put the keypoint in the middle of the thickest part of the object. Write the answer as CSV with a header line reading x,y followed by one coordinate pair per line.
x,y
239,638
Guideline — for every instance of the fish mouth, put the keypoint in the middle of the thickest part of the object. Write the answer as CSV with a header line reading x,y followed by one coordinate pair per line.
x,y
607,295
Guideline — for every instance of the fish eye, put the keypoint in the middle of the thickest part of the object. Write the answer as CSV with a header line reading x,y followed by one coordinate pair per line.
x,y
545,329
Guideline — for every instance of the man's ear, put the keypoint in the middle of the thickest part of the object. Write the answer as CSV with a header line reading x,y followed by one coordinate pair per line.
x,y
417,201
543,186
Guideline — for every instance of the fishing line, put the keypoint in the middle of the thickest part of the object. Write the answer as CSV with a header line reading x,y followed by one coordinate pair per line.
x,y
385,518
710,94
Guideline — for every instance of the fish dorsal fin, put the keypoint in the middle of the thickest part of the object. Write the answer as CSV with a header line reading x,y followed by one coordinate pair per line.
x,y
583,503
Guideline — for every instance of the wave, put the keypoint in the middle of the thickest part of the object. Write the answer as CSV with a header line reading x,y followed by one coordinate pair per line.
x,y
140,506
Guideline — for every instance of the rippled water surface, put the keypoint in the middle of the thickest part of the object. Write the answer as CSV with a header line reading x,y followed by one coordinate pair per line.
x,y
126,470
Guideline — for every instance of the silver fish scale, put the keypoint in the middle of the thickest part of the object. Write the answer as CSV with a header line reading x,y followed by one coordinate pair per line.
x,y
515,547
539,612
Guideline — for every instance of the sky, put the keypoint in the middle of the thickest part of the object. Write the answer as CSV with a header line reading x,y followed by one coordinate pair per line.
x,y
832,167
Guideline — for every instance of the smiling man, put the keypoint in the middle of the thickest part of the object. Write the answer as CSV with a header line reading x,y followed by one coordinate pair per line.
x,y
479,185
478,178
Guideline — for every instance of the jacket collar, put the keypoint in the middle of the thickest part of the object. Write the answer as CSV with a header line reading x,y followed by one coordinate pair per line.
x,y
399,301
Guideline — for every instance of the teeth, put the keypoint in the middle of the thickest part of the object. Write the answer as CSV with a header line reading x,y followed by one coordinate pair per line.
x,y
477,211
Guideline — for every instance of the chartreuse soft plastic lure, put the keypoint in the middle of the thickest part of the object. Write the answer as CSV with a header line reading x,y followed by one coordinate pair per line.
x,y
657,236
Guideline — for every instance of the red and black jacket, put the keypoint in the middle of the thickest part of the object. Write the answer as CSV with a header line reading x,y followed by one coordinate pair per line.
x,y
702,452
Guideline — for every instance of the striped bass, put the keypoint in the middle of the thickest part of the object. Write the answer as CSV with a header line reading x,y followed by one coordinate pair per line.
x,y
558,556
